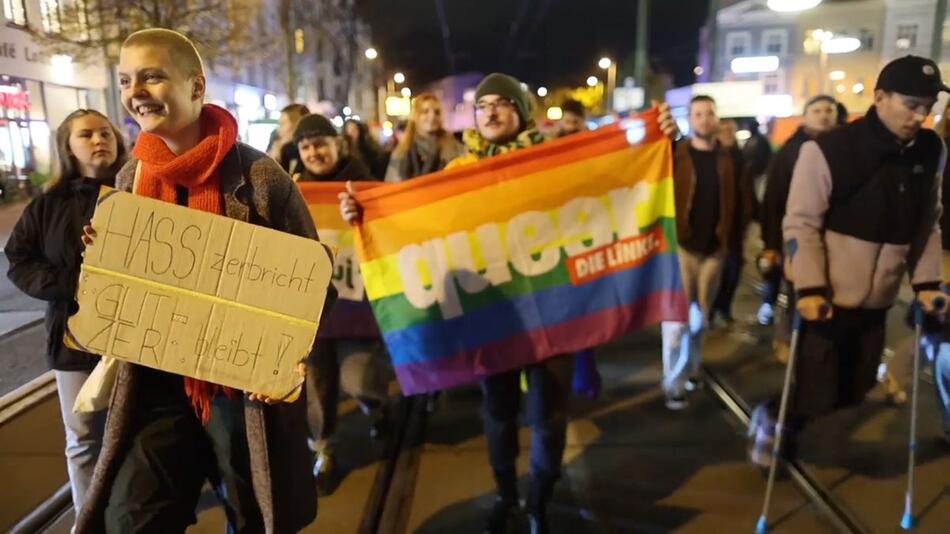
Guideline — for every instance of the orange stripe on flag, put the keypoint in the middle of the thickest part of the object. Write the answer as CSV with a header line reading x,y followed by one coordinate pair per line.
x,y
514,165
326,192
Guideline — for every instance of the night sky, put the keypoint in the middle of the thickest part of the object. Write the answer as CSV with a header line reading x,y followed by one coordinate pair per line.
x,y
543,42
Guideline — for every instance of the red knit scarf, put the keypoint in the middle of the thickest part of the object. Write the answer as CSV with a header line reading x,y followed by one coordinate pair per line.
x,y
197,169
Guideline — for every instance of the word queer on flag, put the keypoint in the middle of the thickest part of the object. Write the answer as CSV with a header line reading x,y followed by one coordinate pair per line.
x,y
543,251
199,295
351,316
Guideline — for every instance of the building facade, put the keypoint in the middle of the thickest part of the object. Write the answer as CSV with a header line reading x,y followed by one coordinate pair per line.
x,y
785,52
38,90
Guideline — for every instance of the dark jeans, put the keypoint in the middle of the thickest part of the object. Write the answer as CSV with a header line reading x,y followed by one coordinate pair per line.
x,y
783,318
772,285
837,362
357,366
168,460
549,389
731,272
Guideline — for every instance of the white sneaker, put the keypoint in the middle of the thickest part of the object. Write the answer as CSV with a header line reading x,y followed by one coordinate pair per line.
x,y
677,403
766,314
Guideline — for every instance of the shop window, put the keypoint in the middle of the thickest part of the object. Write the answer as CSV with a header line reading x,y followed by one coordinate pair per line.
x,y
51,15
15,12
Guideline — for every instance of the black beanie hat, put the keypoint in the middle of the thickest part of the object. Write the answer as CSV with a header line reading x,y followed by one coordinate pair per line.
x,y
314,125
507,86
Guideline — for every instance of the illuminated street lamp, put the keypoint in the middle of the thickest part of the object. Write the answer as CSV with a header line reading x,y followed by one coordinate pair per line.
x,y
399,77
785,6
371,53
607,64
542,91
592,81
406,92
754,64
840,45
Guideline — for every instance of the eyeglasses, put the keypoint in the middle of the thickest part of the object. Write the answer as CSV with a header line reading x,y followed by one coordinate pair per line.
x,y
500,104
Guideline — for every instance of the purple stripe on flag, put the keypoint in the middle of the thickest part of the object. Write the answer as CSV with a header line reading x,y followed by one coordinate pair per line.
x,y
531,347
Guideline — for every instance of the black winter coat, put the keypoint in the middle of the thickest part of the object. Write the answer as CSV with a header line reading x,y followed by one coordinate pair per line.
x,y
777,183
45,253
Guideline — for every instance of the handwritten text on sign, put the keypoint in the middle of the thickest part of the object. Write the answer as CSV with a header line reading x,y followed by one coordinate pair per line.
x,y
199,294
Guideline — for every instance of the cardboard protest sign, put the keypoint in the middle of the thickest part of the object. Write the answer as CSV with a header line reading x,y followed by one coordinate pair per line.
x,y
543,251
199,294
351,316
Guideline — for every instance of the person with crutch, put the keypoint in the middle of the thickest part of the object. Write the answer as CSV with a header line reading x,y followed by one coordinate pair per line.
x,y
863,209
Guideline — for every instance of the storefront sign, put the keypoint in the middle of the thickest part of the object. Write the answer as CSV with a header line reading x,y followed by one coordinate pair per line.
x,y
12,97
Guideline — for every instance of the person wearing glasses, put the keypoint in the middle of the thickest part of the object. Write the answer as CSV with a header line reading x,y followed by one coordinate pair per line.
x,y
503,123
863,209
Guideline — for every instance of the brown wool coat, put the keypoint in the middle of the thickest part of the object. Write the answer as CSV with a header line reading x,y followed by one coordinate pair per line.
x,y
258,191
731,201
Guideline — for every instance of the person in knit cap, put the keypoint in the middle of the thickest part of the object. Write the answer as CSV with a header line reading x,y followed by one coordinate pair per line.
x,y
357,365
324,154
503,123
167,434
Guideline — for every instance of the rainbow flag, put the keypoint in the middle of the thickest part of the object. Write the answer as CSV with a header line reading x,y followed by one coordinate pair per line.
x,y
543,251
351,315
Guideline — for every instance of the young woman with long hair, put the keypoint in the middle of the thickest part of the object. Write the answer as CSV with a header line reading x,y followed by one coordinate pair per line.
x,y
426,146
45,253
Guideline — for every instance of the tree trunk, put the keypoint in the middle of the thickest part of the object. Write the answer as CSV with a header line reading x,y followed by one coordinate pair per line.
x,y
289,49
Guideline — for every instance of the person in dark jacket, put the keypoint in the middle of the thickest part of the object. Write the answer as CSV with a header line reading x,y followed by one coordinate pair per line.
x,y
732,265
863,210
820,115
324,155
356,365
45,254
362,146
935,343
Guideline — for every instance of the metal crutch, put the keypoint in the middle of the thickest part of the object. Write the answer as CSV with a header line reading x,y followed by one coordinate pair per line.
x,y
762,526
907,521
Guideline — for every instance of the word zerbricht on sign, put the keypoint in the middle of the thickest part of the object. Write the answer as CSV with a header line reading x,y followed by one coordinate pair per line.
x,y
199,294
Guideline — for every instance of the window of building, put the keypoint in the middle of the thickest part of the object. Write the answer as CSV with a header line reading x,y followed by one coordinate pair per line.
x,y
298,40
867,39
773,83
15,12
51,16
738,44
775,42
906,36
